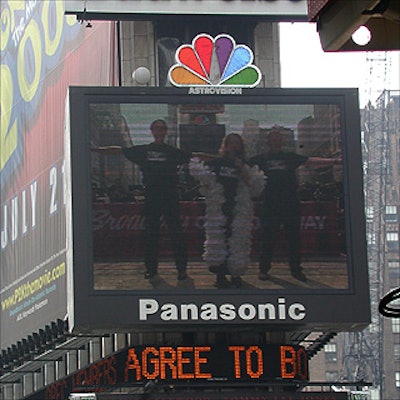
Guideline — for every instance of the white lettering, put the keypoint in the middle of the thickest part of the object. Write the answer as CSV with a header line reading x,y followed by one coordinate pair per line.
x,y
150,308
209,312
281,309
297,311
34,189
271,311
15,212
14,219
64,183
313,222
189,308
4,235
215,90
23,205
227,312
247,312
53,189
169,312
147,307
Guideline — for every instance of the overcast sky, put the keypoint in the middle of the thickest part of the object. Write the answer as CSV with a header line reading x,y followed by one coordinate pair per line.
x,y
305,64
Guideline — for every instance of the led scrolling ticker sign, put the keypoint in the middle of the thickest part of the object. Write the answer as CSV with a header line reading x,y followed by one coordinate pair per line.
x,y
217,363
171,365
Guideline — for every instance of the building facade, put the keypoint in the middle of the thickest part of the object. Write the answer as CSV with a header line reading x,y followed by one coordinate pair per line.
x,y
372,355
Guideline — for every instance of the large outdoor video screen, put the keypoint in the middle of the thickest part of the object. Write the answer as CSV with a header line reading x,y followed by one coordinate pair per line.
x,y
237,207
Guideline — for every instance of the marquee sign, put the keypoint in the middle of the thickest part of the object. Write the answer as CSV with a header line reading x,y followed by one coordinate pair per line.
x,y
175,365
228,363
214,61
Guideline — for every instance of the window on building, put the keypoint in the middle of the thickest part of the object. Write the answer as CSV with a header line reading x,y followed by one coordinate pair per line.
x,y
330,352
391,210
393,264
395,325
392,240
394,273
397,379
369,212
396,351
371,238
391,213
392,236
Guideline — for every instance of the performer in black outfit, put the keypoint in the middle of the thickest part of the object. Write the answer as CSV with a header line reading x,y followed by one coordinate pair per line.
x,y
281,204
158,162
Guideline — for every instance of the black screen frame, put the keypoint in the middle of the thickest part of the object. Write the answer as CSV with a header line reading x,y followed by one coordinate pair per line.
x,y
327,309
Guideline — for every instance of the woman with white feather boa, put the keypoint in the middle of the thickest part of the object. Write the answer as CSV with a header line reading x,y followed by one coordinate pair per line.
x,y
228,184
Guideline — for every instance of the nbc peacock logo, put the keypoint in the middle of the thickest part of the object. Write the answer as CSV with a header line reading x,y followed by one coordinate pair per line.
x,y
215,61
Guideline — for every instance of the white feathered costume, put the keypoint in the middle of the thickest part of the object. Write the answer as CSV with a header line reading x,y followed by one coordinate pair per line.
x,y
218,249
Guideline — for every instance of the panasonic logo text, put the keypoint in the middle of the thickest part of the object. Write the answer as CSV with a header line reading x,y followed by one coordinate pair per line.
x,y
151,309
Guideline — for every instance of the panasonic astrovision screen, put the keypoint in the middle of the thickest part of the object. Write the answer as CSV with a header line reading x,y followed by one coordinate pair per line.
x,y
237,206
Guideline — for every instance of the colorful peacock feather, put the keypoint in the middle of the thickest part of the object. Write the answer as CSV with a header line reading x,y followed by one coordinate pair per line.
x,y
214,61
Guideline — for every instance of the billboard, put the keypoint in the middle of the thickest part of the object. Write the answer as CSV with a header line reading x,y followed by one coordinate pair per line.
x,y
40,55
176,225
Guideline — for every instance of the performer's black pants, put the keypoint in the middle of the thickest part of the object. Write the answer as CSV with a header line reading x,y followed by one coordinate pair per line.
x,y
163,202
275,216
